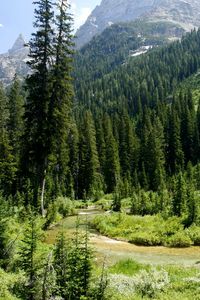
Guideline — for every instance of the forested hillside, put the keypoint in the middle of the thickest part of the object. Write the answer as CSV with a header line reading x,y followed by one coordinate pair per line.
x,y
117,43
132,127
107,123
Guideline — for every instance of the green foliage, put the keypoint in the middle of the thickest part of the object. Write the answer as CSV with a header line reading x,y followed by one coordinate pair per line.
x,y
149,283
127,267
60,208
90,179
10,233
73,267
116,205
194,234
146,239
48,104
7,163
146,231
180,240
65,206
30,259
11,285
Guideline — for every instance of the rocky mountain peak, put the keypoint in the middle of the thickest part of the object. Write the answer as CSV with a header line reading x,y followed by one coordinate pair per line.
x,y
183,12
18,45
14,61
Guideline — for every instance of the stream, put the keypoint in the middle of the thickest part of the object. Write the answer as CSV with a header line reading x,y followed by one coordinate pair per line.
x,y
114,250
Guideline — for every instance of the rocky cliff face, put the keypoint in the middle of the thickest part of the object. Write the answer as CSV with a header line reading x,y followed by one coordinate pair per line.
x,y
14,61
184,12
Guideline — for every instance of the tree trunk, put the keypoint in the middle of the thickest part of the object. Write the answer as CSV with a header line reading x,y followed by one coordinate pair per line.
x,y
42,195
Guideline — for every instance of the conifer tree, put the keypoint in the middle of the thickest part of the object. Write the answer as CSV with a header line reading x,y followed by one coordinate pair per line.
x,y
15,122
175,155
61,265
29,260
48,103
179,202
90,178
7,162
36,140
59,110
48,278
112,164
193,206
73,266
73,144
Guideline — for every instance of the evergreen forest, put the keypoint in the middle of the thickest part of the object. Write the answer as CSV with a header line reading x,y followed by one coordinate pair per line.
x,y
98,127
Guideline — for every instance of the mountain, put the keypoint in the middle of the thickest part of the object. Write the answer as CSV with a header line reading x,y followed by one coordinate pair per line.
x,y
14,61
141,80
184,13
121,42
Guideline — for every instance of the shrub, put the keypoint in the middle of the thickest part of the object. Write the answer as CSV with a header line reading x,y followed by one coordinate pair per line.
x,y
121,284
149,283
145,239
65,206
146,231
60,208
10,285
180,239
52,215
194,234
127,267
104,204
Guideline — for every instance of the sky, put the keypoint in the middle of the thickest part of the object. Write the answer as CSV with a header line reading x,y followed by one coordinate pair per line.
x,y
16,16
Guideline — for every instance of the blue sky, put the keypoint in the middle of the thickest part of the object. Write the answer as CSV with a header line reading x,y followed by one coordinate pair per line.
x,y
16,16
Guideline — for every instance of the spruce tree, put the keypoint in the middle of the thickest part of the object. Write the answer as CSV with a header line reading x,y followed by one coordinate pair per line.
x,y
29,260
47,108
179,203
73,144
15,121
59,110
72,262
112,164
61,265
90,178
7,162
36,140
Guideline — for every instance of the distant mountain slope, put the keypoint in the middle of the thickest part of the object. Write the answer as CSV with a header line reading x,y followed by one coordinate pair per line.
x,y
185,13
144,80
14,61
120,41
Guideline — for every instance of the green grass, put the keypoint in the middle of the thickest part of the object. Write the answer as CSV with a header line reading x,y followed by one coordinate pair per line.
x,y
127,267
123,267
147,230
184,282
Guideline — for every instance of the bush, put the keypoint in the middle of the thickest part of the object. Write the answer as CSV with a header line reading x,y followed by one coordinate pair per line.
x,y
126,267
147,230
60,208
180,239
146,239
65,206
10,285
194,234
149,283
121,284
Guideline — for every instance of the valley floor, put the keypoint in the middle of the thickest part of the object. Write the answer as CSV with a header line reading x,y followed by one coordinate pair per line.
x,y
114,250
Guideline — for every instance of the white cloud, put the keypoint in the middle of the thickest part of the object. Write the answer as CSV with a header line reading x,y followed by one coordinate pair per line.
x,y
1,25
80,15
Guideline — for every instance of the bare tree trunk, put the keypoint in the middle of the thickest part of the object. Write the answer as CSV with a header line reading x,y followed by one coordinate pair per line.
x,y
47,270
42,195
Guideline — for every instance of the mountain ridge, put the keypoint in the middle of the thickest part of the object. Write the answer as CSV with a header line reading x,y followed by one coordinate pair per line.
x,y
184,13
14,61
